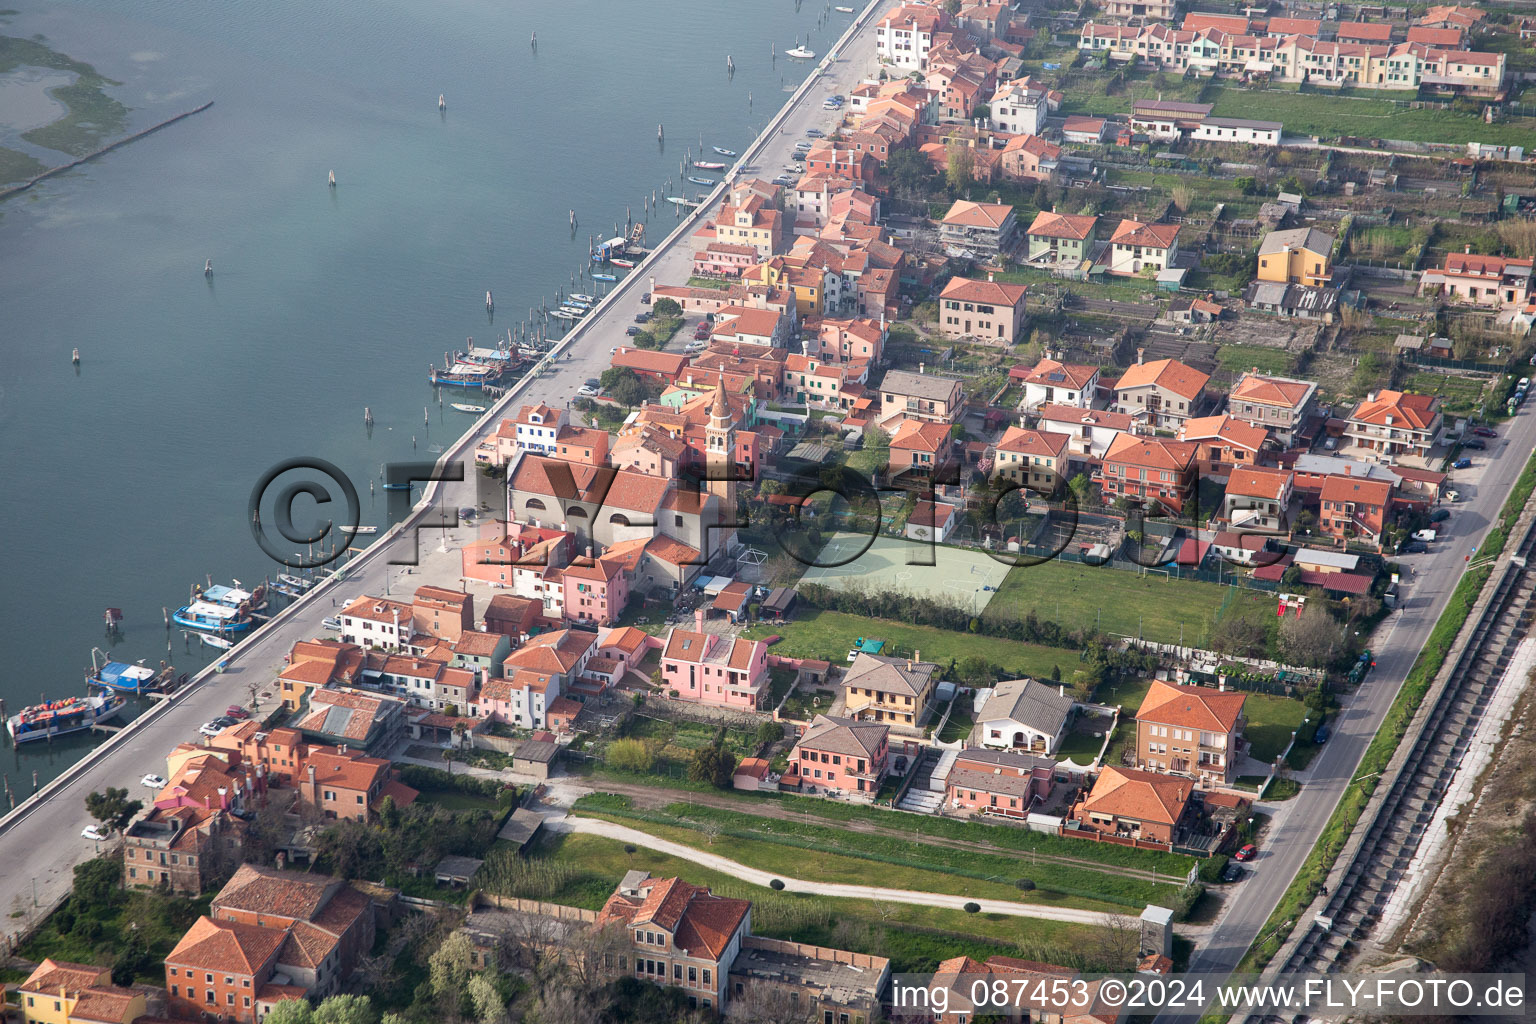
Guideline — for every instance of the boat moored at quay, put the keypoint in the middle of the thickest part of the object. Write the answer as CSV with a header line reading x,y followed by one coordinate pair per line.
x,y
213,618
61,717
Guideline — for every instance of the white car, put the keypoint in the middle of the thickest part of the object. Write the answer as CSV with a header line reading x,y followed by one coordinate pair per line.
x,y
153,781
210,728
95,833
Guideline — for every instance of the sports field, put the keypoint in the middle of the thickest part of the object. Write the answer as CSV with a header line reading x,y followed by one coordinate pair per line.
x,y
967,579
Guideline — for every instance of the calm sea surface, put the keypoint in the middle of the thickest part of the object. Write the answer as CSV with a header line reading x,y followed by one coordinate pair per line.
x,y
126,482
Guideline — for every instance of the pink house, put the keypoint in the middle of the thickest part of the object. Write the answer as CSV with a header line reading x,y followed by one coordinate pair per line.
x,y
715,670
595,590
1002,782
625,644
506,549
840,757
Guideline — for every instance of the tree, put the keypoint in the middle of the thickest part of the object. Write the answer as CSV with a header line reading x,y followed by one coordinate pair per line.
x,y
646,340
713,764
1240,636
344,1009
960,167
488,1004
908,169
983,112
972,908
1183,197
630,755
952,6
112,808
1292,576
1118,942
1247,185
449,968
771,1004
667,308
1310,638
623,385
1082,489
770,732
291,1011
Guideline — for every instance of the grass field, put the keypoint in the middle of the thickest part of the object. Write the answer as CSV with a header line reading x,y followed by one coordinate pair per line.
x,y
828,635
1242,358
1113,600
1271,720
1457,394
1330,116
916,938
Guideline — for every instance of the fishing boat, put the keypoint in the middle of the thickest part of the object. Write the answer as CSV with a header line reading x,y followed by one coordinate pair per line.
x,y
604,277
702,181
464,374
292,586
216,618
574,310
709,165
626,264
563,314
575,303
119,675
487,356
723,152
360,530
843,10
234,597
219,642
681,201
60,717
800,52
464,407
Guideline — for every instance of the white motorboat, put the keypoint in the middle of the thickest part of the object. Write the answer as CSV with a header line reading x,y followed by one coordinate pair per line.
x,y
465,407
220,642
361,531
800,52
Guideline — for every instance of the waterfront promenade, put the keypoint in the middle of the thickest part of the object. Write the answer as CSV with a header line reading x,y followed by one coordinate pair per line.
x,y
40,842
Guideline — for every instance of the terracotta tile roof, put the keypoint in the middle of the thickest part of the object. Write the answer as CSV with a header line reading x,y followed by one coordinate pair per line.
x,y
964,289
224,947
1258,482
1062,225
1144,796
378,609
106,1004
1150,452
965,213
1415,411
1354,489
672,551
1191,707
931,514
306,946
698,920
1057,374
667,364
921,436
1155,236
52,975
1226,429
1058,415
1169,374
1277,391
1033,442
626,638
554,653
343,771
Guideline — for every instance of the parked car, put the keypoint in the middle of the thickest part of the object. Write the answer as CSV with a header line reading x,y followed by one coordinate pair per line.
x,y
1440,515
1484,432
1322,734
646,298
244,814
701,333
815,133
153,781
642,318
1232,872
1453,496
1474,444
210,728
1461,463
1424,535
631,330
1414,547
96,833
237,712
1248,852
593,382
586,392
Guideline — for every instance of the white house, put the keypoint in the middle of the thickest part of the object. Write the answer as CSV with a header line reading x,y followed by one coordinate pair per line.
x,y
1237,129
1023,714
1018,109
931,521
538,426
376,622
1091,430
905,35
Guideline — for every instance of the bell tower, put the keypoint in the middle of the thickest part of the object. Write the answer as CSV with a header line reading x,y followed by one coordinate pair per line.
x,y
720,468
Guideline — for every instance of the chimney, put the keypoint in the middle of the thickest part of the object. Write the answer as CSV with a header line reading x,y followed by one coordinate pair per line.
x,y
989,277
343,749
917,655
909,664
1348,470
1140,355
1467,249
223,798
920,367
1062,689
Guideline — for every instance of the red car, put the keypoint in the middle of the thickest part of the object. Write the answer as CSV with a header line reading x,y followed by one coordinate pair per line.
x,y
1247,853
1484,432
236,711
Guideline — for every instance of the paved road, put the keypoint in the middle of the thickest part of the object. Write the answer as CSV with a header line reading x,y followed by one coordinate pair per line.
x,y
40,843
622,833
1295,827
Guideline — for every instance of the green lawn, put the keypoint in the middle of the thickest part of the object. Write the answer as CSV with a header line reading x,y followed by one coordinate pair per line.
x,y
1241,358
1271,720
453,800
1457,394
1112,600
960,722
1331,115
915,937
1082,747
828,635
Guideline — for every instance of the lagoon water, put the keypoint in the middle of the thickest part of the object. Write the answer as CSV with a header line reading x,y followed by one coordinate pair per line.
x,y
128,481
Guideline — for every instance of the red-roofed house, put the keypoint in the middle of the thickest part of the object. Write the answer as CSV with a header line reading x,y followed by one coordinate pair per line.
x,y
659,366
1354,508
988,310
919,449
753,222
1258,498
679,934
1494,282
1224,441
905,34
846,341
1059,237
931,521
1280,405
1033,459
1151,470
841,756
1393,423
1190,729
1137,804
711,669
1051,382
1137,248
1163,393
985,227
59,992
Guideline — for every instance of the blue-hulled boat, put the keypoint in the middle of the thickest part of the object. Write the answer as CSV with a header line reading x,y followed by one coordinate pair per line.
x,y
604,277
702,181
126,678
463,374
234,597
61,717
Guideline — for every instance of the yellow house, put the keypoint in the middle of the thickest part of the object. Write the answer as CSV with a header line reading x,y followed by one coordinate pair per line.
x,y
64,993
1299,256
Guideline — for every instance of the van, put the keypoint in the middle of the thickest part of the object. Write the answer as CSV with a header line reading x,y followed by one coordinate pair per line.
x,y
1524,385
1424,535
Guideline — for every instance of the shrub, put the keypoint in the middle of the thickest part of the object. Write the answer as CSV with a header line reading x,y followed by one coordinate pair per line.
x,y
630,755
776,884
1024,885
973,908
